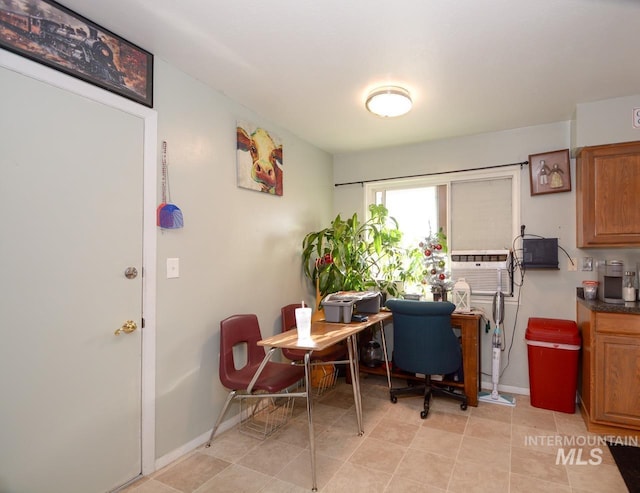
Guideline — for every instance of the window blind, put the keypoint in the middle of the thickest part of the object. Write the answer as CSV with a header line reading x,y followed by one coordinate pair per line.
x,y
481,214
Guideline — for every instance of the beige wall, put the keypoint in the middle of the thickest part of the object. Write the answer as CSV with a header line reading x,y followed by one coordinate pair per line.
x,y
239,250
605,122
544,293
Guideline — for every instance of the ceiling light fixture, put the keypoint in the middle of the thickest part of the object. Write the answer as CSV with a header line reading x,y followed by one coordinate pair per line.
x,y
389,101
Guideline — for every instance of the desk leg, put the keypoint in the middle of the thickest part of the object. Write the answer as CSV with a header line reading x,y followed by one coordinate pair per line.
x,y
312,443
384,354
352,345
470,341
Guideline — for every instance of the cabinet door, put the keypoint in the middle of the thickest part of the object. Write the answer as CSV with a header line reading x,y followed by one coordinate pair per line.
x,y
617,380
607,193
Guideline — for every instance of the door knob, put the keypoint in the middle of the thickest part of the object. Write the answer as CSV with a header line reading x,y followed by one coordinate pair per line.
x,y
128,327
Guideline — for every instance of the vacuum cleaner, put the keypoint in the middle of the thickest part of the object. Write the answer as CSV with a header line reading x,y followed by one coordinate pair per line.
x,y
494,397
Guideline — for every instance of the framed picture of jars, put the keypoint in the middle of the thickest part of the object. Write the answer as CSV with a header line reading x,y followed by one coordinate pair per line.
x,y
550,172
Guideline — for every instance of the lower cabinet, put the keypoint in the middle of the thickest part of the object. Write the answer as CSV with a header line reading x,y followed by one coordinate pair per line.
x,y
610,373
617,379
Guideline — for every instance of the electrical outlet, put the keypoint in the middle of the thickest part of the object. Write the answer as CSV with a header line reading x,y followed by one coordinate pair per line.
x,y
572,264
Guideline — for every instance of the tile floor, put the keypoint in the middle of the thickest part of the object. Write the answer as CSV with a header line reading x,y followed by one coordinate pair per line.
x,y
482,449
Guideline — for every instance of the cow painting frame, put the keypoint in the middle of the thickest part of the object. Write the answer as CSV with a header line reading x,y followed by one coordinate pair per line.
x,y
259,159
53,35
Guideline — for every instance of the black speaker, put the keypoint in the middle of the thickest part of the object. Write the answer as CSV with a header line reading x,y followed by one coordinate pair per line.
x,y
540,253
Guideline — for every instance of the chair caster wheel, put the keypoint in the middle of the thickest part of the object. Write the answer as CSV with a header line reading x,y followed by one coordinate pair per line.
x,y
463,406
423,414
394,399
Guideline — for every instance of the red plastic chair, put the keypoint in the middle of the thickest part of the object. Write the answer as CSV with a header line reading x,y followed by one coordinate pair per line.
x,y
259,377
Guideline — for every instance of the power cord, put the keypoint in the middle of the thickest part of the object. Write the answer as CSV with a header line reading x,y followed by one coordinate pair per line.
x,y
518,266
522,235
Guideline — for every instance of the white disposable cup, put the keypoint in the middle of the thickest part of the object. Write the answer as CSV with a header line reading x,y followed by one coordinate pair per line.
x,y
303,322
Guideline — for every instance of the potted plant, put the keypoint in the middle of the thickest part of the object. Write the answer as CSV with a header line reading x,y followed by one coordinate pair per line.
x,y
355,255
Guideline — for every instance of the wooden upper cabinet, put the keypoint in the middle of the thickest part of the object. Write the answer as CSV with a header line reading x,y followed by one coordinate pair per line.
x,y
608,195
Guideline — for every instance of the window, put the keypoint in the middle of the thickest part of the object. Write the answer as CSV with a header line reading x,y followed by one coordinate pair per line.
x,y
416,210
477,210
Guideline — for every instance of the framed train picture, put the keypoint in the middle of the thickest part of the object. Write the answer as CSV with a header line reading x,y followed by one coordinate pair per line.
x,y
51,34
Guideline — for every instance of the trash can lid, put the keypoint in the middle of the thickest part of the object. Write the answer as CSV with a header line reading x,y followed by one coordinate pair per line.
x,y
552,330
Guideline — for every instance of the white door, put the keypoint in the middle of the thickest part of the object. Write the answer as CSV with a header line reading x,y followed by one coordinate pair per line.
x,y
71,178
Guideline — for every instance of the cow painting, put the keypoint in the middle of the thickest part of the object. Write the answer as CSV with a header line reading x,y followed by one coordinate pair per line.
x,y
259,159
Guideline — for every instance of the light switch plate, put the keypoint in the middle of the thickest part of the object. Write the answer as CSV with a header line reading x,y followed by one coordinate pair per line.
x,y
173,268
587,264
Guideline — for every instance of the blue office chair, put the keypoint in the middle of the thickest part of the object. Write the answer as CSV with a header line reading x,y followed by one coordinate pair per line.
x,y
424,342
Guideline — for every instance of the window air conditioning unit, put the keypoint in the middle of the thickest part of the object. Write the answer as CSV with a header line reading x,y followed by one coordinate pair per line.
x,y
483,270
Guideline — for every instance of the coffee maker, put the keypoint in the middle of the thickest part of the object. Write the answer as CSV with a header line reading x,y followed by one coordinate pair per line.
x,y
610,274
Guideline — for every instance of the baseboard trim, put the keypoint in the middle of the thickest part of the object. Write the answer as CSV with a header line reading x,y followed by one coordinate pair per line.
x,y
194,444
506,388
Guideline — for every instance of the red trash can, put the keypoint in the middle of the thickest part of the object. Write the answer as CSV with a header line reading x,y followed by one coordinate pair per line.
x,y
553,346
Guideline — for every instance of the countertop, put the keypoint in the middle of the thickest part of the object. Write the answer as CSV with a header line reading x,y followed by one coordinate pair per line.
x,y
629,307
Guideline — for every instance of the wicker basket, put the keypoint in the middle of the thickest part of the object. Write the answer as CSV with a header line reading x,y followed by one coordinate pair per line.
x,y
260,419
323,378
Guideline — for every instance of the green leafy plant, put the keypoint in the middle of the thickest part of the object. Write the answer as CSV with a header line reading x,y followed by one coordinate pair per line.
x,y
355,255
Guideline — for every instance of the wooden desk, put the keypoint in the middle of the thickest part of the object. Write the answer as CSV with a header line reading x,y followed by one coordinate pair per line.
x,y
323,335
469,325
470,328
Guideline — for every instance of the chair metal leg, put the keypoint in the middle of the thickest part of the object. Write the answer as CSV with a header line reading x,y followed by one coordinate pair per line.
x,y
450,393
230,397
413,388
427,400
384,354
428,389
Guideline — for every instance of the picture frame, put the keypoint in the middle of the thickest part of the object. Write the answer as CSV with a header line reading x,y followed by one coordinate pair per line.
x,y
53,35
550,172
259,159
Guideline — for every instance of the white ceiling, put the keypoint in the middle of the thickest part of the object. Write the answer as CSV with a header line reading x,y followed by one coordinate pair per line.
x,y
472,66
